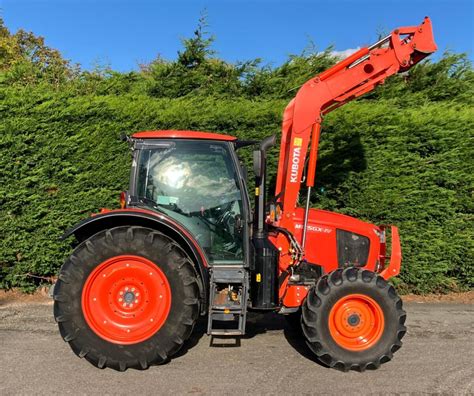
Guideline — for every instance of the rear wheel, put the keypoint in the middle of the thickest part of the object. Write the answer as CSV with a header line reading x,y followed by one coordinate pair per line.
x,y
126,297
353,319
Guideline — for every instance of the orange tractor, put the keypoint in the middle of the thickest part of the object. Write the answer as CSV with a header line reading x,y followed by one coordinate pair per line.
x,y
187,243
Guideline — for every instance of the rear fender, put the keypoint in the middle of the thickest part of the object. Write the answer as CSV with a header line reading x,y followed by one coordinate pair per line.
x,y
150,219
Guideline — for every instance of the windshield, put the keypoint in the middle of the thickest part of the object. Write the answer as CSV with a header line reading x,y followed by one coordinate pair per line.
x,y
195,183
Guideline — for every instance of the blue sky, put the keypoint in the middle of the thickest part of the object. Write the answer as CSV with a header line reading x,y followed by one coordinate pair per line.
x,y
123,33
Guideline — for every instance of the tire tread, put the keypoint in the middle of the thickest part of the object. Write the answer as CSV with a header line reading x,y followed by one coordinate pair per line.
x,y
72,272
319,295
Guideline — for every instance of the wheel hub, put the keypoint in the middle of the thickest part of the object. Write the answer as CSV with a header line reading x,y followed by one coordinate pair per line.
x,y
356,322
126,299
128,296
353,320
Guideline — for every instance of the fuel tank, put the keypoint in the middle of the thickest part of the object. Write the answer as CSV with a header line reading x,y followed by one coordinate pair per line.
x,y
264,275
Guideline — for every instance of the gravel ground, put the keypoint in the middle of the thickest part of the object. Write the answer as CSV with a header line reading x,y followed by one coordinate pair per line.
x,y
436,358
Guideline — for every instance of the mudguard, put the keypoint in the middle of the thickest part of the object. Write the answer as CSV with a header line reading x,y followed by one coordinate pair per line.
x,y
154,220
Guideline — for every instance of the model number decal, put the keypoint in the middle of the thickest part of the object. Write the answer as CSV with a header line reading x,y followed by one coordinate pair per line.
x,y
311,228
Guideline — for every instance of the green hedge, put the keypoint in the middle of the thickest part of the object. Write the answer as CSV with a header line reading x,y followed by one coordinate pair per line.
x,y
61,159
401,155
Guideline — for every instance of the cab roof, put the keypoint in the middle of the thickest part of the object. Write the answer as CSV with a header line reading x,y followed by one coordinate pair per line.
x,y
182,135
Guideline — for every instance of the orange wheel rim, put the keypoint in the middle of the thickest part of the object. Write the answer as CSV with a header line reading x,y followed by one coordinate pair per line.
x,y
356,322
126,299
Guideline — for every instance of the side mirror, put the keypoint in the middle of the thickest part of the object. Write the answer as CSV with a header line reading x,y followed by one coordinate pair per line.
x,y
124,137
257,163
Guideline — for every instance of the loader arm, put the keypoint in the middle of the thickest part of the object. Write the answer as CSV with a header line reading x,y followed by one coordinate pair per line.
x,y
352,77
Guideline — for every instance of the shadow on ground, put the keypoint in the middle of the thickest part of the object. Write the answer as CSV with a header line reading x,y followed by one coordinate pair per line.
x,y
257,324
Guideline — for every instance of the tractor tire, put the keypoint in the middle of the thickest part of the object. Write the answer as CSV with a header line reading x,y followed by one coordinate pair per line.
x,y
353,320
127,297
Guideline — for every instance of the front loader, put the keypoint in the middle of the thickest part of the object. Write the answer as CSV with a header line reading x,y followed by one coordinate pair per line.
x,y
186,242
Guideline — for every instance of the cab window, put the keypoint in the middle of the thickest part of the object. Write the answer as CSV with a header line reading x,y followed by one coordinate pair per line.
x,y
195,183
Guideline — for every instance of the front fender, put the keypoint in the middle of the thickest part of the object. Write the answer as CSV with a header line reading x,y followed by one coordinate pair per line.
x,y
150,219
393,268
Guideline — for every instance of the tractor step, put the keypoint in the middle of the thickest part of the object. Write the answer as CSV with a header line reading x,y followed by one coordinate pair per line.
x,y
226,332
228,297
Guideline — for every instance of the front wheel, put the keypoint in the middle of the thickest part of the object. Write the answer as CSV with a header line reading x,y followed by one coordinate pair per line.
x,y
353,319
126,297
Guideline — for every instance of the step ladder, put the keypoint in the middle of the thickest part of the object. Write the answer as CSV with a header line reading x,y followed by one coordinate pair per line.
x,y
228,297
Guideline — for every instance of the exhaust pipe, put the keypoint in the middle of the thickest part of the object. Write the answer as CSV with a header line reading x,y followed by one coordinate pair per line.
x,y
260,170
264,267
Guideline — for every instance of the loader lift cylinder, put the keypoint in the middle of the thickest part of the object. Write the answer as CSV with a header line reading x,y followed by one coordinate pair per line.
x,y
316,131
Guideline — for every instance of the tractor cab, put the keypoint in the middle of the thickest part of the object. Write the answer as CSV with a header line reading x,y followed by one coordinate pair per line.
x,y
196,179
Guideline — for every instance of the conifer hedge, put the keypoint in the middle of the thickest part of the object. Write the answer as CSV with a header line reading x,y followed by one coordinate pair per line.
x,y
403,155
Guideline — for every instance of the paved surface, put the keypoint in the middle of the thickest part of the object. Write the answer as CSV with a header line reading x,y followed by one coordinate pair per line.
x,y
437,357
